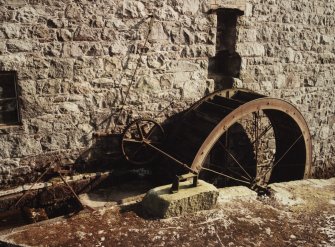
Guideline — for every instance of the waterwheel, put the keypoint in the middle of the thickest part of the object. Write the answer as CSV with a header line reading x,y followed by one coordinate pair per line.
x,y
237,137
233,137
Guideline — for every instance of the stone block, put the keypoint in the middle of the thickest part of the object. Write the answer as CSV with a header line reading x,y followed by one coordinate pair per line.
x,y
61,68
72,50
2,47
73,11
157,33
236,192
250,49
27,15
182,66
134,9
247,35
85,33
281,192
12,30
248,9
19,46
160,203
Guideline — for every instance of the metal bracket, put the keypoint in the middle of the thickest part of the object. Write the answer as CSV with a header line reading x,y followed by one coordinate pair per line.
x,y
175,185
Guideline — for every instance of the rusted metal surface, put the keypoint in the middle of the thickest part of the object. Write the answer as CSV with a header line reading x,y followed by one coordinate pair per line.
x,y
136,138
175,185
48,193
208,128
209,121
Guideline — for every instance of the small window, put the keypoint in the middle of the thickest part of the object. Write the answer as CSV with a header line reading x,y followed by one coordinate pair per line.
x,y
9,107
226,64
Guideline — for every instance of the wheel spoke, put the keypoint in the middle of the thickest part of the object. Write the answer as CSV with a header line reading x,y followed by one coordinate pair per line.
x,y
266,130
236,173
131,140
169,156
236,161
134,145
227,168
140,130
151,131
277,162
227,176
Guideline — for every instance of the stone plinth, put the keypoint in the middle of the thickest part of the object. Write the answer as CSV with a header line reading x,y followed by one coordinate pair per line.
x,y
160,203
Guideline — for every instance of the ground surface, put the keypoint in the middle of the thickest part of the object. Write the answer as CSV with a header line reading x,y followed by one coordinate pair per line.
x,y
300,213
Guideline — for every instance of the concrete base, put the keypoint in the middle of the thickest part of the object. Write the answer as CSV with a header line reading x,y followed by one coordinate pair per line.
x,y
160,203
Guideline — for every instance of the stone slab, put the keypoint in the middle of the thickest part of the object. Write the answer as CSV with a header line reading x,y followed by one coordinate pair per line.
x,y
160,203
282,193
237,192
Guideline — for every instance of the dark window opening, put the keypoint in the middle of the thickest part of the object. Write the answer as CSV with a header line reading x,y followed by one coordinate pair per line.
x,y
226,64
9,106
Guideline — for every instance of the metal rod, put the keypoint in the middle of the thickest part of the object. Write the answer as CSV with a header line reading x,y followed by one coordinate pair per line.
x,y
169,156
30,188
71,189
227,176
232,156
132,140
135,72
164,109
147,135
139,59
139,130
263,133
236,173
221,168
282,156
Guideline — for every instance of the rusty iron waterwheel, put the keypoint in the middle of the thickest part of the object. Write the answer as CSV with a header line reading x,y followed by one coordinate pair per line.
x,y
238,137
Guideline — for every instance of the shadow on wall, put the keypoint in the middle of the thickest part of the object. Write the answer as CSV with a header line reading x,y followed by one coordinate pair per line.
x,y
223,68
226,64
106,153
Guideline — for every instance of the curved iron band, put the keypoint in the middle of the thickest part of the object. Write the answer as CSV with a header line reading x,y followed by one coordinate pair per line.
x,y
275,109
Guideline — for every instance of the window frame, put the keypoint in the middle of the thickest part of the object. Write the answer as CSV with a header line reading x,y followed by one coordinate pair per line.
x,y
15,99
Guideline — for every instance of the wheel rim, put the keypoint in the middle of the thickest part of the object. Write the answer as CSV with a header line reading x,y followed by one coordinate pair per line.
x,y
206,123
275,110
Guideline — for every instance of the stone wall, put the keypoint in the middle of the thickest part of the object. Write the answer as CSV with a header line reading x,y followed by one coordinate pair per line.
x,y
288,51
76,59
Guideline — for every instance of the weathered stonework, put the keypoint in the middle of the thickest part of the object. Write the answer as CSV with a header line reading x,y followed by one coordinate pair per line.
x,y
287,50
159,202
75,60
